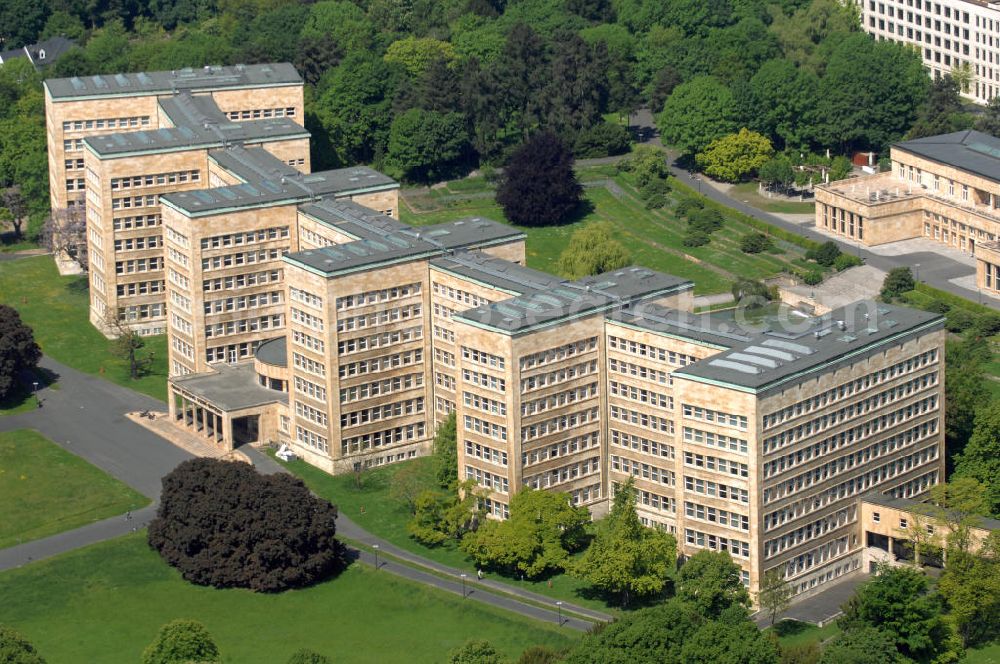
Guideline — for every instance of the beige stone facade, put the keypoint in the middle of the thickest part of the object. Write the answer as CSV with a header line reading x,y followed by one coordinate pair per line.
x,y
942,188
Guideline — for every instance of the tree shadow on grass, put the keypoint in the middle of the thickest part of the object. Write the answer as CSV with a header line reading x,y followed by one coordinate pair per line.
x,y
614,600
78,286
790,628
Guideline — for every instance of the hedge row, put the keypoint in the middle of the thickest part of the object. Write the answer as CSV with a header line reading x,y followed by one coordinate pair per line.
x,y
753,222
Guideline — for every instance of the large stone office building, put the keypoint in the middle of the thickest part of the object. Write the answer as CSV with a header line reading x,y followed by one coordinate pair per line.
x,y
950,35
299,310
943,188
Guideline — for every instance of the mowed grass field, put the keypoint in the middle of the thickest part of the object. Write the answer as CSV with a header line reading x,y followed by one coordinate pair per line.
x,y
45,490
653,237
387,518
105,604
57,308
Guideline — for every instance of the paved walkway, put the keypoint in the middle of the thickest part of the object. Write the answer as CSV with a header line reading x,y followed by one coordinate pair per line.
x,y
88,416
821,608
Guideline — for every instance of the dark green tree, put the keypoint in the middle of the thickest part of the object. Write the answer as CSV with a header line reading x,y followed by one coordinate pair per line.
x,y
897,602
733,640
426,145
980,458
15,649
21,22
697,113
18,350
355,108
539,187
825,254
712,582
446,453
439,88
870,93
785,97
899,280
966,392
627,559
775,592
863,645
180,642
315,55
970,585
577,90
989,121
516,79
939,114
540,655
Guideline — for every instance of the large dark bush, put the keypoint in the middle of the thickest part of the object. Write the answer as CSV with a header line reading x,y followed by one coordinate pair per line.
x,y
706,220
18,350
223,524
539,187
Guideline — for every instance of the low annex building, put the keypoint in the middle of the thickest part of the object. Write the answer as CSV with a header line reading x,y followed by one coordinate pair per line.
x,y
944,188
300,310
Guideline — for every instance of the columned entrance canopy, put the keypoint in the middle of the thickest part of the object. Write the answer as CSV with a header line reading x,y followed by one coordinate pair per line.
x,y
228,405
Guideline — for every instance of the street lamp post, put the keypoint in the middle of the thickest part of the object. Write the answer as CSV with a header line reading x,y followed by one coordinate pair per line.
x,y
916,272
463,585
559,608
375,546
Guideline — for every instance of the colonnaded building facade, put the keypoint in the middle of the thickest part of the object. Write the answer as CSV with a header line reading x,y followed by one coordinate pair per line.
x,y
299,310
943,188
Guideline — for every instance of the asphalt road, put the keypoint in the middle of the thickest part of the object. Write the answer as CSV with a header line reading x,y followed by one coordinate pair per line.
x,y
85,416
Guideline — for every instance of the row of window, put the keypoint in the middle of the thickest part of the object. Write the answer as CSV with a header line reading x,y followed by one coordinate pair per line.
x,y
560,353
485,453
106,123
640,395
849,388
138,221
736,548
644,470
261,113
810,531
557,424
245,237
487,479
382,363
155,180
382,412
562,375
650,351
377,296
482,357
310,389
381,340
644,420
241,302
485,404
485,428
715,464
140,288
559,399
312,439
561,449
376,439
151,264
243,280
640,444
719,417
860,407
718,516
459,295
716,489
384,317
307,319
712,439
314,344
245,325
310,413
381,387
563,474
241,258
479,378
639,371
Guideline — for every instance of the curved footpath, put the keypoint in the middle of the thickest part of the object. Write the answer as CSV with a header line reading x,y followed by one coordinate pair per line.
x,y
86,416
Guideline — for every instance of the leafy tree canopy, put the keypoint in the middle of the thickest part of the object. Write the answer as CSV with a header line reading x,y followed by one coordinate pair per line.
x,y
712,582
543,529
697,113
539,187
15,649
736,157
592,250
180,642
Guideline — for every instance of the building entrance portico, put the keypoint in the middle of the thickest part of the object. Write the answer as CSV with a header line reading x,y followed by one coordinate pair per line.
x,y
227,406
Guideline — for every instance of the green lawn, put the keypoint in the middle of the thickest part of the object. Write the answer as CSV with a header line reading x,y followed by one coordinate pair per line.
x,y
747,192
387,518
654,238
45,490
988,654
106,602
57,308
796,633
